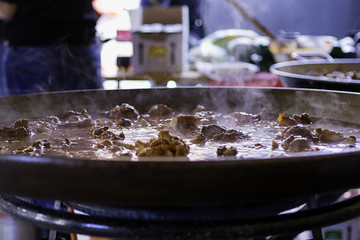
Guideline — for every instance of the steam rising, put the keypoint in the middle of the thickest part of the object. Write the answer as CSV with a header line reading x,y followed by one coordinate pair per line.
x,y
317,103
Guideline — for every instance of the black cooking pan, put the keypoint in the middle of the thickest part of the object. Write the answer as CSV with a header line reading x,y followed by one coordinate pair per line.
x,y
296,74
182,183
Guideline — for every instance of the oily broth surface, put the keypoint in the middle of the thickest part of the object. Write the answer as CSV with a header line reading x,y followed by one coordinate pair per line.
x,y
84,145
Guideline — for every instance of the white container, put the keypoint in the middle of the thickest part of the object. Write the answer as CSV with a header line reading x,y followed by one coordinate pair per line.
x,y
160,39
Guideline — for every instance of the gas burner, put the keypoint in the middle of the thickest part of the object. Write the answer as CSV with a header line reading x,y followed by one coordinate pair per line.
x,y
144,223
193,213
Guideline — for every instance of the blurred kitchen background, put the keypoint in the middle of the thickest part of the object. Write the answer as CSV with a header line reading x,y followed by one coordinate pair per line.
x,y
325,25
320,17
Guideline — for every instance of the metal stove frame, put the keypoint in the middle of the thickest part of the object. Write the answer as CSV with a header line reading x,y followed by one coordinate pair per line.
x,y
282,226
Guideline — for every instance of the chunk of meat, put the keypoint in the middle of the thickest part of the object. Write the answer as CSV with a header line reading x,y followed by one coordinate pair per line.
x,y
221,134
164,145
71,113
66,142
286,121
211,130
257,146
198,139
296,144
274,145
294,119
351,140
125,110
14,132
97,131
123,122
224,151
231,135
329,136
302,118
106,143
298,130
21,123
37,148
160,111
112,136
42,143
185,124
19,129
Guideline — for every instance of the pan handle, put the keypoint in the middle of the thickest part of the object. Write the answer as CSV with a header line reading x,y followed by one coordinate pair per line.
x,y
305,55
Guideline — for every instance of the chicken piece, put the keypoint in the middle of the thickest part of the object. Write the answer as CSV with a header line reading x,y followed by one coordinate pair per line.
x,y
160,111
329,136
112,136
198,139
274,145
121,136
296,144
124,110
19,129
43,143
351,140
303,118
294,119
72,119
231,135
123,145
230,151
104,133
21,123
185,124
258,146
105,143
37,148
224,151
145,123
164,145
286,121
211,130
14,132
70,113
298,130
66,115
66,142
97,131
123,122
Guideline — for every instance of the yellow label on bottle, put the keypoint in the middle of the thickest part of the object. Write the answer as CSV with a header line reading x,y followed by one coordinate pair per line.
x,y
157,51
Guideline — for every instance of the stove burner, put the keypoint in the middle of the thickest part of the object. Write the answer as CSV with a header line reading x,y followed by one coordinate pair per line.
x,y
129,226
198,213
